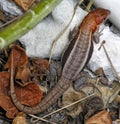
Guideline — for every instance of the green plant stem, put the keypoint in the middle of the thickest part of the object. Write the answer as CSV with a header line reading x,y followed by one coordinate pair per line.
x,y
23,24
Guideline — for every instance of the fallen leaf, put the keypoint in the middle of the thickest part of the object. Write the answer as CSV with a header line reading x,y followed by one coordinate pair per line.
x,y
20,57
102,117
20,119
71,96
25,4
106,93
38,68
92,105
5,100
20,60
23,73
29,95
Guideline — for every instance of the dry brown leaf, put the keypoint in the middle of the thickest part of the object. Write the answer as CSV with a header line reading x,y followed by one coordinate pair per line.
x,y
108,94
23,73
25,4
5,100
20,119
90,88
71,96
92,105
38,67
20,63
102,117
29,95
20,57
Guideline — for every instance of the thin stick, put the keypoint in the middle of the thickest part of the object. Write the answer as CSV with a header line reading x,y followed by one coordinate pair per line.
x,y
80,100
38,118
89,5
42,118
115,72
12,89
27,21
61,33
7,23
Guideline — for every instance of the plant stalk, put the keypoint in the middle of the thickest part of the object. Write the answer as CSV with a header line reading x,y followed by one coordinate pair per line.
x,y
22,25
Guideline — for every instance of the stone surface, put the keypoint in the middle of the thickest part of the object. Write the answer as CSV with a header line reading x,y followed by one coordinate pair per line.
x,y
99,58
10,7
39,40
114,7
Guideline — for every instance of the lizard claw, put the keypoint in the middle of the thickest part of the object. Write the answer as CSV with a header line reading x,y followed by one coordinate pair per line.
x,y
96,36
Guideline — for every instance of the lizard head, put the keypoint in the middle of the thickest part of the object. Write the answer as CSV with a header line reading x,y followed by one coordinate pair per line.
x,y
100,15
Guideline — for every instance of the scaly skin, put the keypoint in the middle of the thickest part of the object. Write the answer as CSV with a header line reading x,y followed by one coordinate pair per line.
x,y
77,59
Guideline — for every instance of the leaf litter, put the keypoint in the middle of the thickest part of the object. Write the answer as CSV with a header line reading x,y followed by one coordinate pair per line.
x,y
33,73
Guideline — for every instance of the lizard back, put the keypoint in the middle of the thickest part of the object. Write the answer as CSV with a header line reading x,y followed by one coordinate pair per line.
x,y
75,62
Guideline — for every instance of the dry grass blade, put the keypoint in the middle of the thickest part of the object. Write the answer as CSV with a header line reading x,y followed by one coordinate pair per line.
x,y
42,118
12,89
2,61
61,33
38,118
89,5
9,22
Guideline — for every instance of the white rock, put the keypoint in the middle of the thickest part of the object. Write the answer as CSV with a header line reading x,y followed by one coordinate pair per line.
x,y
99,58
10,7
38,41
114,7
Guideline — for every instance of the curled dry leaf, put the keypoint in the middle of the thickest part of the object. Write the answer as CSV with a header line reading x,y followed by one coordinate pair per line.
x,y
29,95
20,58
102,117
20,63
20,119
108,94
5,100
71,96
90,88
25,4
23,73
92,105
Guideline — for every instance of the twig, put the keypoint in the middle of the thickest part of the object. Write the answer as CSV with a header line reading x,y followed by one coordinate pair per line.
x,y
42,118
115,72
7,23
89,5
80,100
64,30
38,118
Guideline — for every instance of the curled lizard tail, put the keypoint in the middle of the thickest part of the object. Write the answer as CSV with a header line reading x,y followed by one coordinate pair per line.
x,y
49,99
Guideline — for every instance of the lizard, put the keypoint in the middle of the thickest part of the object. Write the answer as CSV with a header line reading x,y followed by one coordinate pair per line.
x,y
79,55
